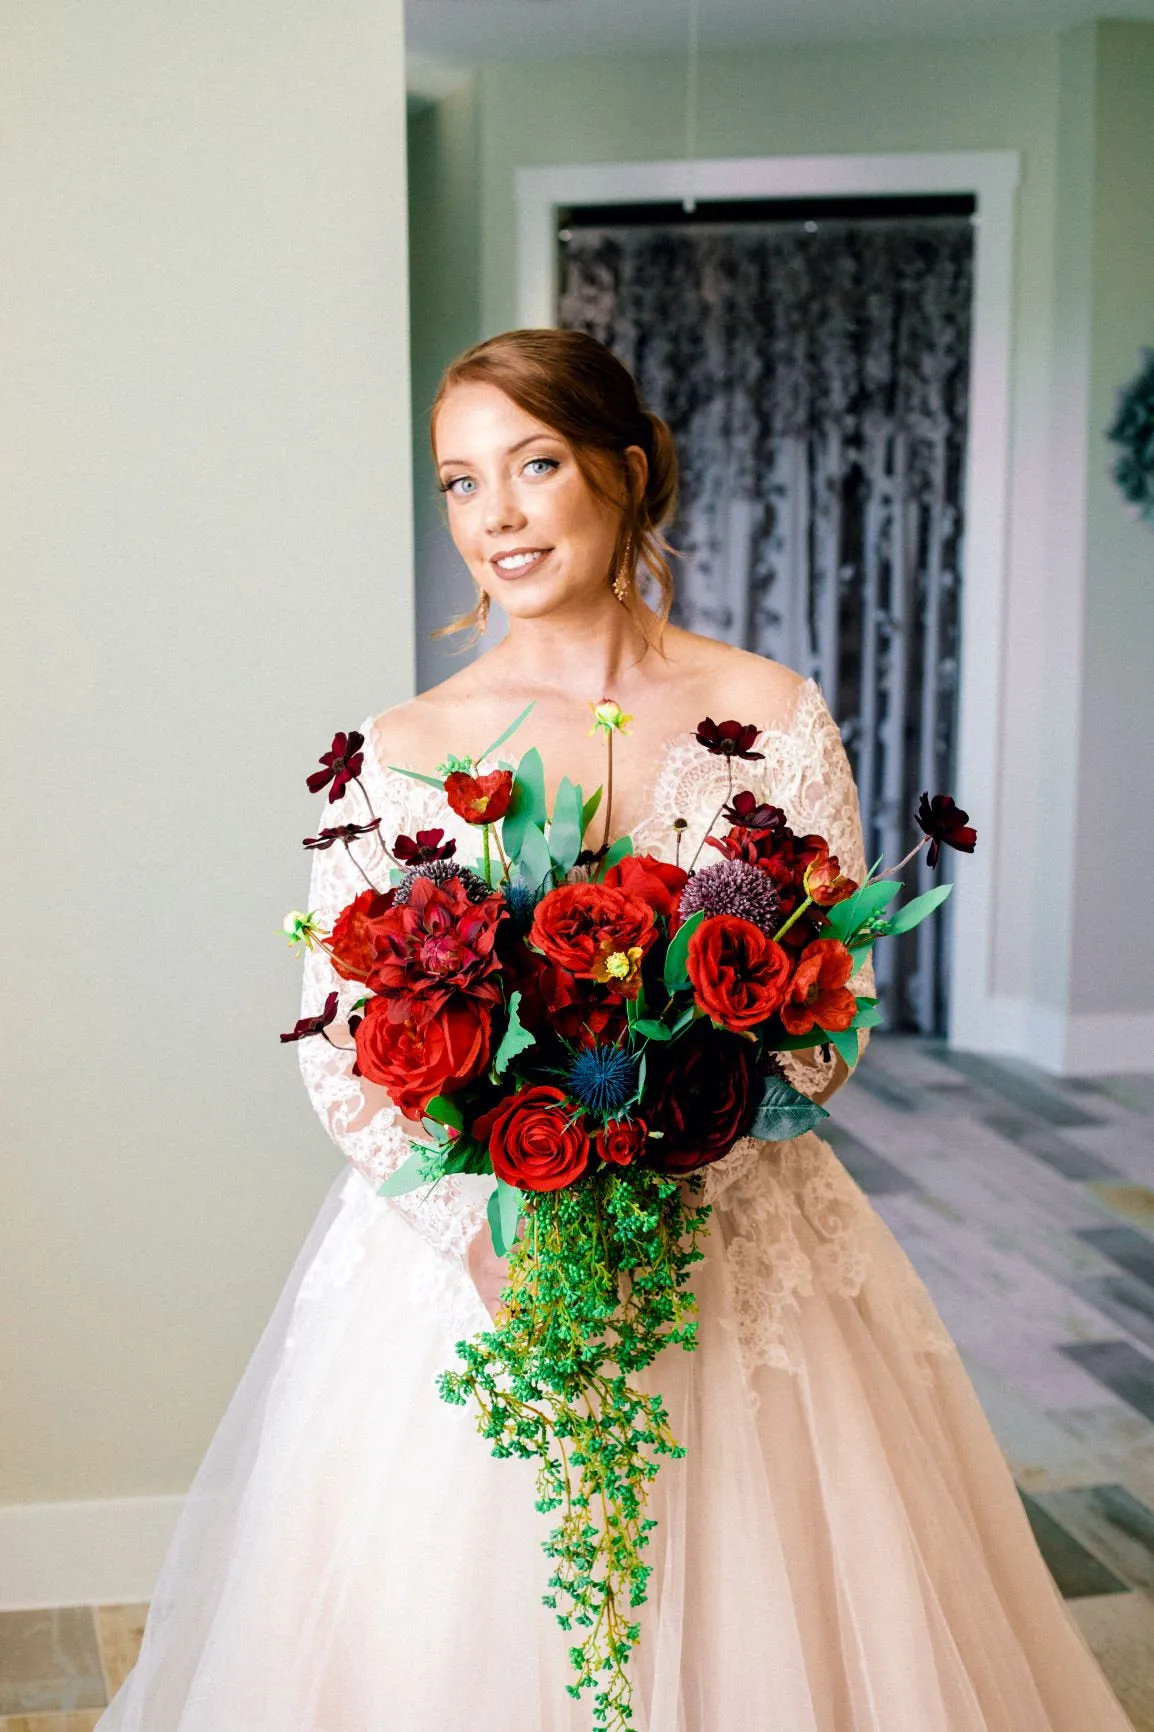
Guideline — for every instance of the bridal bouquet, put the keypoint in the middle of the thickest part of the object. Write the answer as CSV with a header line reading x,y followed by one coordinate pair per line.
x,y
592,1028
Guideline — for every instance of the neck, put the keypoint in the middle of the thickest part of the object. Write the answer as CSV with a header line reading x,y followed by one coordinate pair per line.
x,y
595,651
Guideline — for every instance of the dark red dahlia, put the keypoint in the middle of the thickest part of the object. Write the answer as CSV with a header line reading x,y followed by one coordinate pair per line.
x,y
438,945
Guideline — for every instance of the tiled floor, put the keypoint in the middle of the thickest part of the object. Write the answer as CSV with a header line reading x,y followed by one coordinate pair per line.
x,y
1027,1205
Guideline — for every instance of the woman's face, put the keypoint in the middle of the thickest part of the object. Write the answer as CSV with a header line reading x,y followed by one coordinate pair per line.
x,y
513,487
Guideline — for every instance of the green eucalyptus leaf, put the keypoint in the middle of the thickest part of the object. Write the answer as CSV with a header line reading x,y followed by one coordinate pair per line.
x,y
652,1029
912,913
416,776
565,829
589,810
783,1112
511,729
526,804
868,1014
687,1017
675,974
408,1175
535,860
443,1110
504,1212
618,851
515,1038
844,1041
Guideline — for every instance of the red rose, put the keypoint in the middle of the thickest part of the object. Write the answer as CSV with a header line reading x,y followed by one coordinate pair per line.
x,y
574,924
657,882
479,799
703,1096
415,1062
534,1143
739,975
622,1141
355,937
818,994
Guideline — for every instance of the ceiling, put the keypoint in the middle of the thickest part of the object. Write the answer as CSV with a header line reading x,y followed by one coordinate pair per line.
x,y
446,38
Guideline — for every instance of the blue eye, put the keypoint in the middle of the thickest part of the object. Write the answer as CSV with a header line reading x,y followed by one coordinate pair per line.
x,y
551,461
448,486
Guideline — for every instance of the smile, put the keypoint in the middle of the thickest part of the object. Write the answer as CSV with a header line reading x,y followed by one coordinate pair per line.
x,y
513,564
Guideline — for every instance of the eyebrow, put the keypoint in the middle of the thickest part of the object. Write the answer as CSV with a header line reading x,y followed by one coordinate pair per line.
x,y
521,443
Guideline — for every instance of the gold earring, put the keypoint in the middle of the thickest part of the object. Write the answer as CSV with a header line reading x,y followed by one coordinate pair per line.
x,y
624,571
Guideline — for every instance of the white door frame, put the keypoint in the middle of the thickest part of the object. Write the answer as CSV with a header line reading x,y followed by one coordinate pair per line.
x,y
992,177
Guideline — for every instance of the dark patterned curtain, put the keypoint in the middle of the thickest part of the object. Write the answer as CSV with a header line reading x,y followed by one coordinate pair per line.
x,y
814,377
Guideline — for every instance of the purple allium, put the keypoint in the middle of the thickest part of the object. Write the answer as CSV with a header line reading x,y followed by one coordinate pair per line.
x,y
440,871
733,887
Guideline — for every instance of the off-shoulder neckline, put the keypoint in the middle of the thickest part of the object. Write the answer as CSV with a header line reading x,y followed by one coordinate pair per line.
x,y
661,758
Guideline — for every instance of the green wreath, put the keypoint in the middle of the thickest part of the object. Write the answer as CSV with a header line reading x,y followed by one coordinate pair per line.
x,y
1133,430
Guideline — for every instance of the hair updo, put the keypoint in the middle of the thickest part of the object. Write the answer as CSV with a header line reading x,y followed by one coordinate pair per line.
x,y
576,386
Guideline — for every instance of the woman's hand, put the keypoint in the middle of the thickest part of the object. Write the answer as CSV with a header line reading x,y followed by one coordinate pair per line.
x,y
489,1273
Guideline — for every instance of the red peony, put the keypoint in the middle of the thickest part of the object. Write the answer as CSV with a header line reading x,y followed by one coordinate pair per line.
x,y
355,938
704,1097
818,994
417,1061
621,1142
657,882
575,925
533,1141
437,945
739,975
479,799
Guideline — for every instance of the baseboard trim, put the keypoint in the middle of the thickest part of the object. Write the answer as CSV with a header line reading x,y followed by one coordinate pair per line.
x,y
1114,1042
101,1552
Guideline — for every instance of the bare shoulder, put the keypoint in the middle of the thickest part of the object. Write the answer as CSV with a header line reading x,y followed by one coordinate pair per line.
x,y
745,685
421,731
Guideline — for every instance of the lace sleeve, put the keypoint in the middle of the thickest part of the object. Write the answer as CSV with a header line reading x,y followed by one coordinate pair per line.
x,y
824,801
359,1116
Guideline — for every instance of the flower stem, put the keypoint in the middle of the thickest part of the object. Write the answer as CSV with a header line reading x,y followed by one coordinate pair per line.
x,y
485,828
890,870
717,814
608,788
796,915
501,852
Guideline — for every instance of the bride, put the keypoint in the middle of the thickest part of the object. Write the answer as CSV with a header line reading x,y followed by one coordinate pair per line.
x,y
842,1548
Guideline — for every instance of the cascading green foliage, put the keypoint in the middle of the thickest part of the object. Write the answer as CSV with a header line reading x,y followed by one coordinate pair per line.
x,y
597,1287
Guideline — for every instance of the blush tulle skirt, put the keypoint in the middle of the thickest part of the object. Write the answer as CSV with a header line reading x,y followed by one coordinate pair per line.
x,y
845,1553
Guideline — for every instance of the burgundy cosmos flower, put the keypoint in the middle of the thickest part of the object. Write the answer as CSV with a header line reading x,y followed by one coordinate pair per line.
x,y
750,813
942,821
340,833
314,1024
728,739
342,765
426,847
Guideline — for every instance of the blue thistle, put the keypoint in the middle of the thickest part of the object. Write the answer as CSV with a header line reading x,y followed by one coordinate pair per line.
x,y
520,899
602,1078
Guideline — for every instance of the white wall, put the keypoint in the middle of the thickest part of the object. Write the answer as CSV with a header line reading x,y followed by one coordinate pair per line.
x,y
206,558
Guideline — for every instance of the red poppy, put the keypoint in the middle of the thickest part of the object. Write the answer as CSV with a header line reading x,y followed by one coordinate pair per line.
x,y
942,821
818,995
479,799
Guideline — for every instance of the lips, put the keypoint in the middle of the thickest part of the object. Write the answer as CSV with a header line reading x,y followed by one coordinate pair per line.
x,y
519,570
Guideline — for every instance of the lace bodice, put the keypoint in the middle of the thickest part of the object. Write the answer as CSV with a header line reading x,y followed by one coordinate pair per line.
x,y
767,1188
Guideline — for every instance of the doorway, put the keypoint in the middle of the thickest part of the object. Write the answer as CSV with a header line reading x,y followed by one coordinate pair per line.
x,y
812,358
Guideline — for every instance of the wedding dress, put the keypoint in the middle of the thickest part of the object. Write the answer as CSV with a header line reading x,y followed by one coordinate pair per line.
x,y
842,1549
